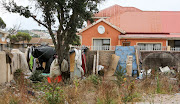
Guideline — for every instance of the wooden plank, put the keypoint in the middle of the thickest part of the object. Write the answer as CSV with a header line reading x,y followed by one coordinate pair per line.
x,y
129,65
72,62
113,65
137,60
94,65
97,62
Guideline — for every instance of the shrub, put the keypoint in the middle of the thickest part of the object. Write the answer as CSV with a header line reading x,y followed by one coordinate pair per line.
x,y
36,76
94,79
120,75
54,95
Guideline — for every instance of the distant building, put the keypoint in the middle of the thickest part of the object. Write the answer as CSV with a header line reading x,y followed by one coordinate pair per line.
x,y
33,42
41,33
3,43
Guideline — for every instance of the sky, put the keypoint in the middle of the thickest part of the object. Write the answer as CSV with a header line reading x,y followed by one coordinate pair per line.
x,y
12,19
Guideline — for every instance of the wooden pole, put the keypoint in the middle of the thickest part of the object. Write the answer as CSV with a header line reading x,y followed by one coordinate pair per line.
x,y
94,65
97,62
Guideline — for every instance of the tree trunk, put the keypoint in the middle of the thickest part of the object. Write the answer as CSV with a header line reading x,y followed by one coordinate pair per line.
x,y
63,53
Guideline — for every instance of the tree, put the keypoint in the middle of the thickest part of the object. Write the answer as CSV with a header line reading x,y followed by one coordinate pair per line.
x,y
68,14
23,36
2,24
20,36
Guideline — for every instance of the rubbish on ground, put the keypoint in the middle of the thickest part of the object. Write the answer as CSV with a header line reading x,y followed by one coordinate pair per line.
x,y
141,75
149,72
55,80
100,67
165,69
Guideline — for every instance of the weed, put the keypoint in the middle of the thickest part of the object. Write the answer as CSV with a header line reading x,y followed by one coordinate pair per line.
x,y
94,79
36,76
54,95
158,89
120,75
76,83
17,74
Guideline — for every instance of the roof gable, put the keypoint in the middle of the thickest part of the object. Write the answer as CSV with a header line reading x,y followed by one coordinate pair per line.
x,y
102,20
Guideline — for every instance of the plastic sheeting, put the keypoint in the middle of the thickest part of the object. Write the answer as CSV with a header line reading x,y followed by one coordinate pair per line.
x,y
44,54
123,52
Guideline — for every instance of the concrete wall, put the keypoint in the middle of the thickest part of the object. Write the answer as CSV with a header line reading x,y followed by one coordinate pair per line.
x,y
104,59
156,59
3,68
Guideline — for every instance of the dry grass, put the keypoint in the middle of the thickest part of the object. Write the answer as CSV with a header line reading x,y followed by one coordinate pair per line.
x,y
92,90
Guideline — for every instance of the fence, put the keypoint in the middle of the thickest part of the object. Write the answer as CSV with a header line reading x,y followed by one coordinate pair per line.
x,y
151,48
105,48
163,48
7,48
141,48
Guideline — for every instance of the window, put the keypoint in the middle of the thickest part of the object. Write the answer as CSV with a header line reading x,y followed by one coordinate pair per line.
x,y
126,43
101,44
149,46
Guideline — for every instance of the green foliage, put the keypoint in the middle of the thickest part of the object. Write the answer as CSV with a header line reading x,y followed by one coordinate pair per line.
x,y
36,76
76,40
54,97
129,98
94,79
20,36
2,24
13,101
108,101
158,89
23,36
17,74
120,75
13,38
67,16
54,94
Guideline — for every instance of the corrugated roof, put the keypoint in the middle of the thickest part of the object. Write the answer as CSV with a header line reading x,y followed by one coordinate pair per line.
x,y
115,9
37,41
148,22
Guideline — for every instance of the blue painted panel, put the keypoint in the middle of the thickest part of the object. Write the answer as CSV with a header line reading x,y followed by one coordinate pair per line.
x,y
123,52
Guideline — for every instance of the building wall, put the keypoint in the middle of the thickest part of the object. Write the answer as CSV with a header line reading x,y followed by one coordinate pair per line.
x,y
136,41
92,33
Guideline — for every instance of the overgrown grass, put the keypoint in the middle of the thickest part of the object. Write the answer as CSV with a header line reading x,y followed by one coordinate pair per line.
x,y
92,90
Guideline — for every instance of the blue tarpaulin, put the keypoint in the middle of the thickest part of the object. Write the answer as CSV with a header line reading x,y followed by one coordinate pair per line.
x,y
123,52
